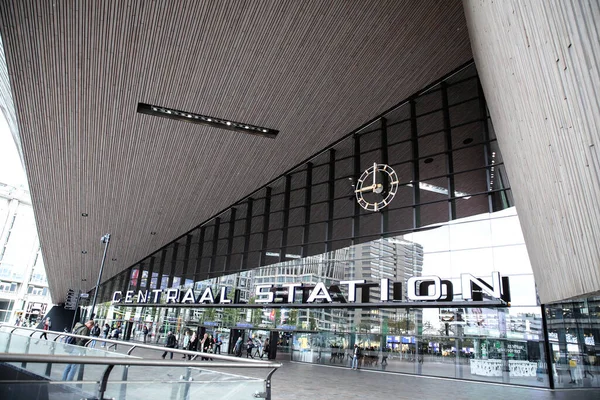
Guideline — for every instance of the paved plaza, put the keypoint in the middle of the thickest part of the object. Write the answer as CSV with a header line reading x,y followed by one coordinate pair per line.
x,y
301,381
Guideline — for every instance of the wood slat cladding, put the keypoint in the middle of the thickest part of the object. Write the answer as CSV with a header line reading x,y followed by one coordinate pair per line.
x,y
6,102
538,63
313,70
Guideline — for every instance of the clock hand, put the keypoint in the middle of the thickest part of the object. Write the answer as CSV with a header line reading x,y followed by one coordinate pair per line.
x,y
365,189
369,188
374,175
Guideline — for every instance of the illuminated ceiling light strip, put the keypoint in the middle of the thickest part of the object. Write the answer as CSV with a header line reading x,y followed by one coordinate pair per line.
x,y
170,113
437,189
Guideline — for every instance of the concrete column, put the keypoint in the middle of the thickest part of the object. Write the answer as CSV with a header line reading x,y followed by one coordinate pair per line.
x,y
538,65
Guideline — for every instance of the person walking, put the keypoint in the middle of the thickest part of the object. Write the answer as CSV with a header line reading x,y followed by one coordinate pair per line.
x,y
218,344
186,341
145,332
238,347
95,333
105,332
47,326
114,335
259,347
171,343
249,347
355,356
83,330
266,348
192,345
384,356
204,345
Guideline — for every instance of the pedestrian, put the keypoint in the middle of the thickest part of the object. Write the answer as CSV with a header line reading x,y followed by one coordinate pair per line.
x,y
82,330
18,321
65,339
249,347
238,347
259,347
186,341
114,335
95,333
218,343
192,345
204,345
145,332
266,348
384,356
105,332
355,356
47,326
171,344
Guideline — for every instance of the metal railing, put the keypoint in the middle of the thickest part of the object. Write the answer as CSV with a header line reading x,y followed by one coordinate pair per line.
x,y
221,361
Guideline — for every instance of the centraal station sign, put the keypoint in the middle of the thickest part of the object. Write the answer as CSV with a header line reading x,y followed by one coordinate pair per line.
x,y
419,289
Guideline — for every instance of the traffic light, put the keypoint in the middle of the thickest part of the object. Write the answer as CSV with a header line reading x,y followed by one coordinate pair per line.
x,y
71,300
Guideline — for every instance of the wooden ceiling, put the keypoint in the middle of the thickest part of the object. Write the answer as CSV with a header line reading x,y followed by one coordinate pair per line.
x,y
313,70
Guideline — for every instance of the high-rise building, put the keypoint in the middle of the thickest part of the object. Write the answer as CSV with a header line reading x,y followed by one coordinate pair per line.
x,y
24,291
394,259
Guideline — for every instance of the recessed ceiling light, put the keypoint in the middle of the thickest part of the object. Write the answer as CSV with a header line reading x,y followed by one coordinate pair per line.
x,y
205,120
468,141
428,160
84,214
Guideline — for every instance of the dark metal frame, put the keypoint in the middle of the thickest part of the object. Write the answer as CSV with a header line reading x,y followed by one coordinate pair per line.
x,y
329,159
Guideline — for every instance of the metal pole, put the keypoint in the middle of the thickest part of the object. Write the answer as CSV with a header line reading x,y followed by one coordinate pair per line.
x,y
75,311
547,349
106,240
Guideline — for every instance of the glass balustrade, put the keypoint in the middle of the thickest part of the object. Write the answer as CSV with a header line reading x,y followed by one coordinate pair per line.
x,y
44,379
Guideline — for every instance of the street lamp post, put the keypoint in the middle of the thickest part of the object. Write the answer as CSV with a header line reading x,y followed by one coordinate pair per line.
x,y
106,240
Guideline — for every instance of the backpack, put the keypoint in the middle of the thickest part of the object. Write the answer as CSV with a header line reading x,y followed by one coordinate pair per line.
x,y
96,331
73,340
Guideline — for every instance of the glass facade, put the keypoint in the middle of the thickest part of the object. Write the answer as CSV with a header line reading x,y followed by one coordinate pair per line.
x,y
574,341
451,213
441,144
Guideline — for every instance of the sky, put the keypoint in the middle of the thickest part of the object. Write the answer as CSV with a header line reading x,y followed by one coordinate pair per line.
x,y
11,169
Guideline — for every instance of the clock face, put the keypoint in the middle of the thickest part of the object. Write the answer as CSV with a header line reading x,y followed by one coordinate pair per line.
x,y
376,187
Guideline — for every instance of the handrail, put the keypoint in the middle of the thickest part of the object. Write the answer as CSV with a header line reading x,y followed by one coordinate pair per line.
x,y
70,359
133,346
111,362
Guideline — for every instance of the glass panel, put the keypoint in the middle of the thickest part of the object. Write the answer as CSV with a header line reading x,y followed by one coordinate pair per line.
x,y
574,339
469,183
433,166
432,144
